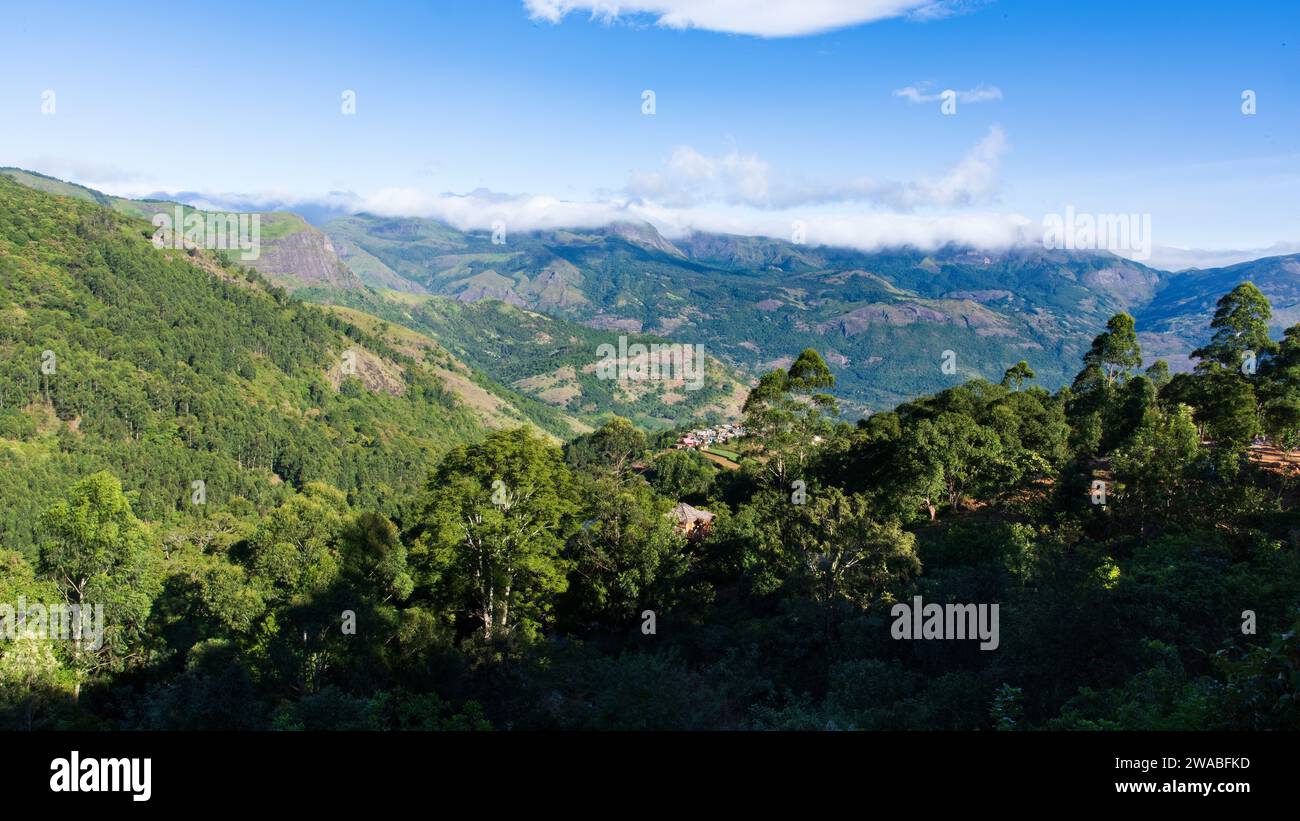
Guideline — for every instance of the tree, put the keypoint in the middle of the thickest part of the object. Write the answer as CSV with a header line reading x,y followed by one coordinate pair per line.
x,y
1240,325
1279,391
626,553
946,457
848,553
1017,375
31,676
1154,470
296,559
785,412
374,553
1115,352
494,528
614,446
1158,373
1133,403
1282,422
1230,411
295,549
100,554
682,473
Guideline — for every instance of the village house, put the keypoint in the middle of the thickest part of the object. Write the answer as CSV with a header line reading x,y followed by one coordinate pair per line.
x,y
691,522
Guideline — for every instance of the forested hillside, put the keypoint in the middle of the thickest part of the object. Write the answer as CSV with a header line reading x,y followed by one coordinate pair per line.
x,y
538,364
169,368
368,555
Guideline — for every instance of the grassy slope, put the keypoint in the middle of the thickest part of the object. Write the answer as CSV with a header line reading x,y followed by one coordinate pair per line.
x,y
549,360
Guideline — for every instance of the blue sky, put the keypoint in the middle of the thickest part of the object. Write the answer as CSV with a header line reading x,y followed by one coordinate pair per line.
x,y
1103,106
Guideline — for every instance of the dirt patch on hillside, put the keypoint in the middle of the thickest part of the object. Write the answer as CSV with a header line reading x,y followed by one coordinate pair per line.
x,y
376,374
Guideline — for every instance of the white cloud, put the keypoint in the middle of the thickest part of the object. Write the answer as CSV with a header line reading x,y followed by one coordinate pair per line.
x,y
690,178
478,210
866,231
760,18
838,226
834,225
734,193
849,228
924,93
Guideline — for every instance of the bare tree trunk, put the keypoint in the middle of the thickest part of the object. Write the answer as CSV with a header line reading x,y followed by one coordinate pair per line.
x,y
505,610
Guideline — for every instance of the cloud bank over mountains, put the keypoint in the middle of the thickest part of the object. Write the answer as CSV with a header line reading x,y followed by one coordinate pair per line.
x,y
733,193
480,209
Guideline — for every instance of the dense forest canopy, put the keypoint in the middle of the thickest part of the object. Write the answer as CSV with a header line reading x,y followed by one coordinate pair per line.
x,y
368,554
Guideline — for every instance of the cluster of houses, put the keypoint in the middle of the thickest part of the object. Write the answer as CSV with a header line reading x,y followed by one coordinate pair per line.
x,y
694,522
704,437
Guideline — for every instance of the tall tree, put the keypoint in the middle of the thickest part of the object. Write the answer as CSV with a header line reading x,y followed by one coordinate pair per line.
x,y
786,412
100,554
1240,325
1115,351
1017,375
1154,470
945,458
494,528
614,446
626,554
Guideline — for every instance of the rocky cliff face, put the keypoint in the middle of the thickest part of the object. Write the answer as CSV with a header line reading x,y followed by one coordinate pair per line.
x,y
298,255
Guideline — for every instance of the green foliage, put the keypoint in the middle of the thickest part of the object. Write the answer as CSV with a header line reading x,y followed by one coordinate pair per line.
x,y
1115,351
546,361
494,526
847,552
948,457
786,413
170,368
1018,374
683,474
364,554
1240,325
102,556
626,556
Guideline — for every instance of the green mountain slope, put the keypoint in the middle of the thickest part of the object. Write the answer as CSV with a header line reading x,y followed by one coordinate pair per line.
x,y
292,252
171,368
540,368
